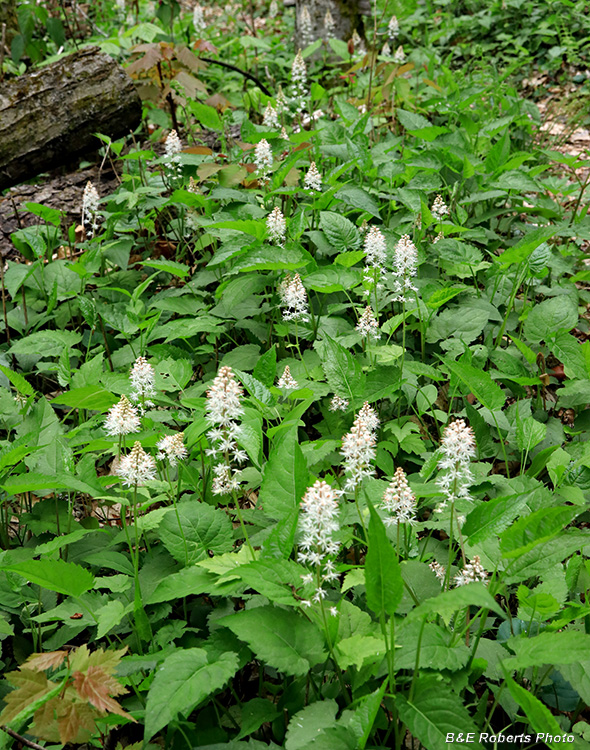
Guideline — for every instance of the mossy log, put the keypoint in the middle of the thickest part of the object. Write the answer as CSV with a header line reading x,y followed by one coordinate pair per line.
x,y
52,115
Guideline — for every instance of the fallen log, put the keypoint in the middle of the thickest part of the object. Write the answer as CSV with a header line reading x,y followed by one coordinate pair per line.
x,y
51,115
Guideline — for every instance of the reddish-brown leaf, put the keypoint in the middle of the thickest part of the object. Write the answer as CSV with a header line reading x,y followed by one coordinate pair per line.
x,y
48,660
95,686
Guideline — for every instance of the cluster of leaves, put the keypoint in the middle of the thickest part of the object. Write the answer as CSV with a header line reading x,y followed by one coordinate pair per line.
x,y
205,590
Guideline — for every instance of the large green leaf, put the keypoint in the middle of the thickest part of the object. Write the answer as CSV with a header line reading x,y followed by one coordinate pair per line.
x,y
549,317
433,645
273,578
66,578
182,682
566,647
341,233
480,383
197,529
448,602
283,639
435,711
524,247
492,517
359,198
383,578
343,371
285,477
305,726
537,528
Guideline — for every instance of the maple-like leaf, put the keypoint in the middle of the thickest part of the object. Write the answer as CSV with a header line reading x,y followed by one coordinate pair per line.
x,y
76,722
48,660
30,687
95,686
44,724
80,660
108,660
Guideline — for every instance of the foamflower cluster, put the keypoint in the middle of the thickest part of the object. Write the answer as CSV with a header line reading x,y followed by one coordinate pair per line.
x,y
329,25
405,261
143,378
263,160
137,467
299,82
122,418
305,26
313,179
198,19
457,449
439,208
358,447
270,118
473,571
399,500
171,448
338,403
368,324
90,215
439,570
375,256
287,381
317,524
276,226
393,28
399,56
223,409
294,299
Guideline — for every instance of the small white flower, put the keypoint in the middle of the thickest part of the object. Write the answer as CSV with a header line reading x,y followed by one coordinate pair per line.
x,y
359,46
338,404
393,28
286,381
368,324
224,482
439,209
90,215
399,56
263,159
405,263
143,378
313,179
137,467
457,449
294,298
223,405
440,236
284,134
307,579
270,118
386,50
329,25
358,448
438,570
305,26
472,572
171,447
276,226
198,19
122,418
305,603
273,9
399,500
334,611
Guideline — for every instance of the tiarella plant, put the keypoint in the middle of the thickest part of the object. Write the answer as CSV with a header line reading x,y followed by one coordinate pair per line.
x,y
295,424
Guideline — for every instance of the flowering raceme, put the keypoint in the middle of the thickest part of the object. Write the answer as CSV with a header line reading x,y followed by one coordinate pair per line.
x,y
90,201
375,256
368,324
358,448
294,298
270,118
122,418
317,524
439,208
287,381
399,500
405,263
276,226
299,82
143,378
137,467
263,160
457,449
472,571
171,447
313,179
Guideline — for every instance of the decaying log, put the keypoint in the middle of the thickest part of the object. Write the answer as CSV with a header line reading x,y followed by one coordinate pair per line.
x,y
51,115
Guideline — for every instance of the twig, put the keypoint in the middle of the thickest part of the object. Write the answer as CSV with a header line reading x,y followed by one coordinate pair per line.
x,y
20,738
229,66
2,48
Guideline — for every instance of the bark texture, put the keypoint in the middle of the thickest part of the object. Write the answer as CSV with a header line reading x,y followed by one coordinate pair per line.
x,y
49,116
346,14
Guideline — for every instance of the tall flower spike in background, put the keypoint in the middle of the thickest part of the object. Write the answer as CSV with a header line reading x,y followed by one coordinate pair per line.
x,y
393,28
263,160
313,179
399,500
472,571
358,448
375,256
172,149
90,201
287,381
273,9
294,299
305,26
457,449
399,56
137,467
329,25
270,118
122,418
299,81
439,208
405,261
276,226
143,378
317,524
198,20
338,403
223,409
171,448
368,324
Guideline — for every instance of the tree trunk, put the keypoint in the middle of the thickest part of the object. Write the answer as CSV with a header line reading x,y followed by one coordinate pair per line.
x,y
49,116
347,16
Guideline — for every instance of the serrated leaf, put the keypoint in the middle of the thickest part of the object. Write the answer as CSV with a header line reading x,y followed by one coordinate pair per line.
x,y
383,578
285,477
305,726
56,575
91,397
550,317
433,712
31,686
282,638
480,383
534,529
197,529
492,517
275,579
566,647
340,231
18,381
539,716
343,371
448,602
182,682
